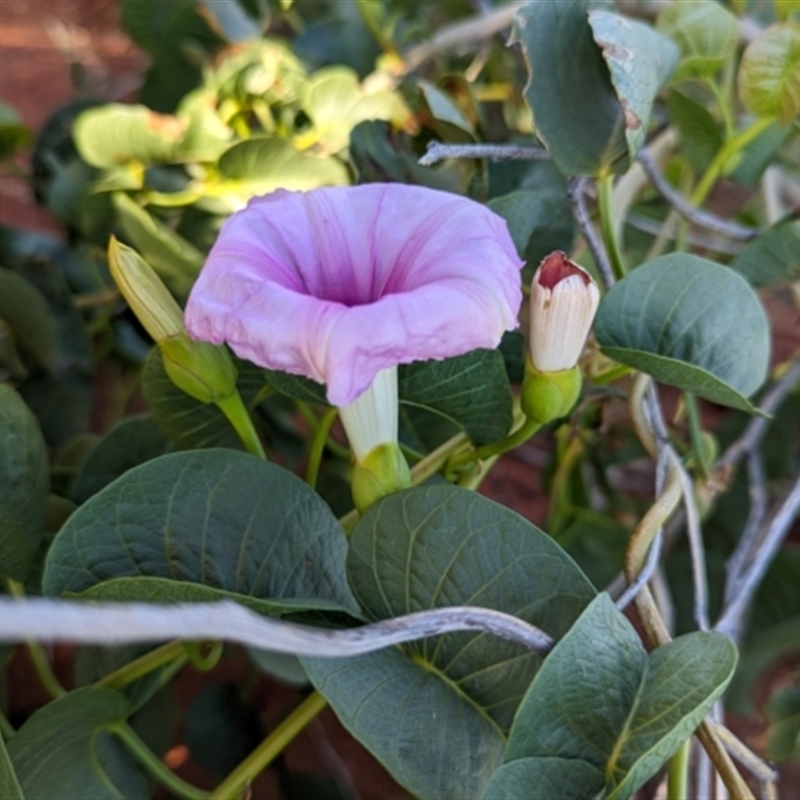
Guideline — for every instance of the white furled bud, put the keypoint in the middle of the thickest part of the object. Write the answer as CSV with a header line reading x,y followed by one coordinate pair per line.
x,y
564,300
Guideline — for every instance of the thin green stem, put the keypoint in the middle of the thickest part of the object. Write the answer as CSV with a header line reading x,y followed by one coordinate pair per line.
x,y
172,651
722,104
234,785
318,443
678,780
36,652
148,759
724,154
6,728
605,186
514,439
234,409
696,430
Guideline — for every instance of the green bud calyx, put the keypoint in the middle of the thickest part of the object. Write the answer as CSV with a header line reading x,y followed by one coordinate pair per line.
x,y
383,471
202,370
547,396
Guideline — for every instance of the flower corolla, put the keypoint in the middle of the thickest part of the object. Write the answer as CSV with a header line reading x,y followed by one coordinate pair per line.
x,y
340,283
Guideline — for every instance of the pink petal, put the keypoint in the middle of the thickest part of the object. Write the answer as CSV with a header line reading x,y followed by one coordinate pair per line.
x,y
339,283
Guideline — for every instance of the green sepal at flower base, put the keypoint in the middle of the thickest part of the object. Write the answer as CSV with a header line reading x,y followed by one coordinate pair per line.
x,y
548,396
381,472
202,370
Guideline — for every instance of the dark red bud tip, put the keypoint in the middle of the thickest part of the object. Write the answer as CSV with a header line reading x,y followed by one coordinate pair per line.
x,y
556,268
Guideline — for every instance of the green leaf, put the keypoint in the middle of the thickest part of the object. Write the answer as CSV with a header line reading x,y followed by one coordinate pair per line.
x,y
24,484
218,518
700,133
335,102
129,444
784,731
65,750
544,779
689,323
539,222
576,110
436,711
175,260
769,73
471,390
297,387
639,61
263,164
447,119
9,785
186,421
14,135
115,134
602,701
706,33
772,257
28,315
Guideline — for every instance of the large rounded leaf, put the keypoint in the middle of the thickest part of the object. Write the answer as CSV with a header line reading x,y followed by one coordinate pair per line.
x,y
689,323
602,704
203,525
769,74
436,712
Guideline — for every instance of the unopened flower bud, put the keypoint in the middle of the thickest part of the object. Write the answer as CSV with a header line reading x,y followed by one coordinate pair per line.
x,y
144,292
202,370
371,423
564,300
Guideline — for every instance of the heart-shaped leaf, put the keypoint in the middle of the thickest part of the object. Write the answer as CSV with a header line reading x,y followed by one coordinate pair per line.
x,y
24,484
576,110
115,134
436,712
689,323
66,750
335,102
202,525
639,61
706,33
769,73
615,712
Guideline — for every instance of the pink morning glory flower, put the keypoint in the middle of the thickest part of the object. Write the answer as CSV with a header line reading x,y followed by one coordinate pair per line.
x,y
339,284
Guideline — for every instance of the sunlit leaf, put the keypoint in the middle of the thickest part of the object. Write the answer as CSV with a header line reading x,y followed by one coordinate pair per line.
x,y
769,73
706,32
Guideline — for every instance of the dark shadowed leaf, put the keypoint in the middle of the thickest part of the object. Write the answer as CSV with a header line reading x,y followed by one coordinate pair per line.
x,y
199,526
436,711
24,484
601,701
772,257
66,750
